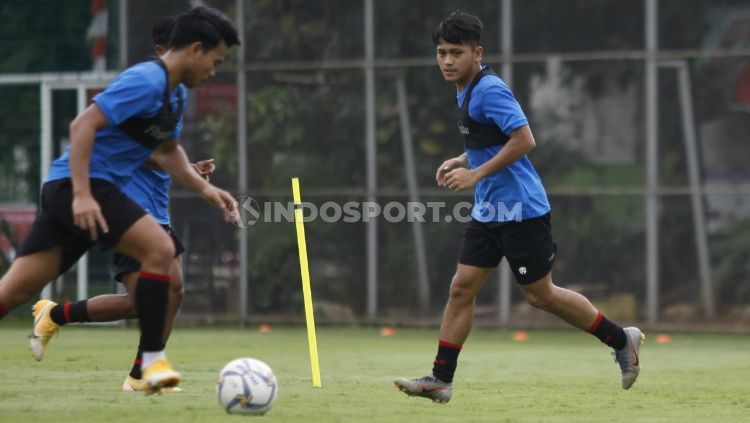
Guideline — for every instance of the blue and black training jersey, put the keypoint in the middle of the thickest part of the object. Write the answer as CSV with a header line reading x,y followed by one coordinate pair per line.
x,y
150,189
497,196
137,92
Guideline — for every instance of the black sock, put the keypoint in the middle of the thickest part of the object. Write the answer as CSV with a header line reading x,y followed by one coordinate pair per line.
x,y
151,297
445,363
608,332
135,372
3,311
70,312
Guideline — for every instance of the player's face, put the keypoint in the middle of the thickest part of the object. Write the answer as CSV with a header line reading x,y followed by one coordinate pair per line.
x,y
203,64
458,62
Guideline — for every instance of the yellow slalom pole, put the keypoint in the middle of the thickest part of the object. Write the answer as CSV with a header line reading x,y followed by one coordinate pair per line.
x,y
306,292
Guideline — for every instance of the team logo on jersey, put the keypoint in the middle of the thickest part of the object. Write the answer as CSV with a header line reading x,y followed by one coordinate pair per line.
x,y
462,128
157,133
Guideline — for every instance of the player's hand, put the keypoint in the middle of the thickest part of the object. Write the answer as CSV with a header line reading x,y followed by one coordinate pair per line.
x,y
446,167
87,215
460,179
224,202
205,168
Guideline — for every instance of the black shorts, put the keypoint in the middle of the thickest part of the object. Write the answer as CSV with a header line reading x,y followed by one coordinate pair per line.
x,y
54,221
123,264
527,245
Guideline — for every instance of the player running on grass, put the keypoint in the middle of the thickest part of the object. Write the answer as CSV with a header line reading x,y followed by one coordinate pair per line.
x,y
149,187
510,216
137,116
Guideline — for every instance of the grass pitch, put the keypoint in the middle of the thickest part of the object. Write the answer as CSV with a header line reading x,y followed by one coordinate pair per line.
x,y
555,376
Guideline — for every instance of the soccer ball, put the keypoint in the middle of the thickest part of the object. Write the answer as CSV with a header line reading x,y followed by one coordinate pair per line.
x,y
246,386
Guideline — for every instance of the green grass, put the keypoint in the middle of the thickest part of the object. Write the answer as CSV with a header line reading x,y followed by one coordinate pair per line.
x,y
556,376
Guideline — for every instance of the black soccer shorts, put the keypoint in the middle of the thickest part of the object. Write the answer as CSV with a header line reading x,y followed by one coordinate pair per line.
x,y
123,264
54,223
527,245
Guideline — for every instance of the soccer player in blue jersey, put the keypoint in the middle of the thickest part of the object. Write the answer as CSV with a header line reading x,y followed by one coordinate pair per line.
x,y
138,116
510,216
149,187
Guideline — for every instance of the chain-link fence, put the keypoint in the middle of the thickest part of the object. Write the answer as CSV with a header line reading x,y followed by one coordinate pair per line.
x,y
639,109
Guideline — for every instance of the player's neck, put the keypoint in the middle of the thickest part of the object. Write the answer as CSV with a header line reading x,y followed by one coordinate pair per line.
x,y
462,84
174,68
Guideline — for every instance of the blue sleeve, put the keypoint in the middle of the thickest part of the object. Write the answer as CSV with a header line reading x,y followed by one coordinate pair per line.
x,y
499,106
132,93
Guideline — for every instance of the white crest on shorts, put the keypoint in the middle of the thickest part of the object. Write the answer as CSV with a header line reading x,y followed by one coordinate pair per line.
x,y
522,270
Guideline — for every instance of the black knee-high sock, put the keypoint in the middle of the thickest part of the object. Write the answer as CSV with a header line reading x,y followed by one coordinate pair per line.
x,y
151,297
446,360
3,311
70,312
608,332
135,372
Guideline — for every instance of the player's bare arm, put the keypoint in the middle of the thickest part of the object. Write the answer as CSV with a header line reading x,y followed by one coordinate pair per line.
x,y
172,158
86,211
204,167
521,142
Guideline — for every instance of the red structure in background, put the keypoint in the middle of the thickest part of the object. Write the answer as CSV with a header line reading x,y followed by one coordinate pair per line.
x,y
97,33
212,98
20,217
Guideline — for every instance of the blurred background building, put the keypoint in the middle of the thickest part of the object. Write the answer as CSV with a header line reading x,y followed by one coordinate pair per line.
x,y
640,108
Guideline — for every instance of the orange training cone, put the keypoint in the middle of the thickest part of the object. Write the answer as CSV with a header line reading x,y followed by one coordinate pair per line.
x,y
265,328
521,336
663,338
387,331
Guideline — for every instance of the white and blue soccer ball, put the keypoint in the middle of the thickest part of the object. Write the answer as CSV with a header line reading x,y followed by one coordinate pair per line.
x,y
247,386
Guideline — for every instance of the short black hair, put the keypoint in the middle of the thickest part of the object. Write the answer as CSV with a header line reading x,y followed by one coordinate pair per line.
x,y
459,28
161,30
204,24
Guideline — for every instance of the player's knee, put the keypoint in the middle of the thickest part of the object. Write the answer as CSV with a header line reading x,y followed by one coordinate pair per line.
x,y
130,309
176,291
536,297
159,255
461,290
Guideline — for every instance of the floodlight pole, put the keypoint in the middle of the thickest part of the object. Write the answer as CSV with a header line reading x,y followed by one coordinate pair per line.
x,y
242,153
690,141
82,269
652,161
506,42
122,23
371,159
423,283
696,196
46,150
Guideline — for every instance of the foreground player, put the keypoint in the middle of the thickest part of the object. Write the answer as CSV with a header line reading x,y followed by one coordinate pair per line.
x,y
137,116
510,217
149,187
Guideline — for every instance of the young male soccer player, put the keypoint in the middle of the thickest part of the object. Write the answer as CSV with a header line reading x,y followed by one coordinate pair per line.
x,y
137,116
510,216
149,187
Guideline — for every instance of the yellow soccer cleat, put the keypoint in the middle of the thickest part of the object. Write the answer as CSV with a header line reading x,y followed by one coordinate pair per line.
x,y
132,384
44,328
160,375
